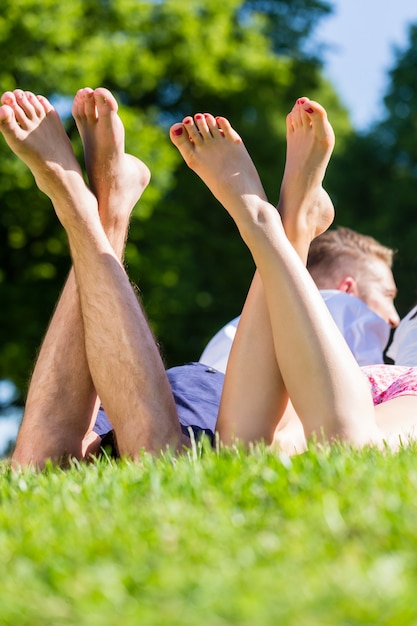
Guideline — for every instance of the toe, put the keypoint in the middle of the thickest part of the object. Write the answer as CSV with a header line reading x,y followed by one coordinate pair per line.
x,y
310,107
227,130
78,105
105,101
182,140
177,133
23,110
212,125
8,98
89,105
45,104
202,125
9,126
192,130
7,117
25,104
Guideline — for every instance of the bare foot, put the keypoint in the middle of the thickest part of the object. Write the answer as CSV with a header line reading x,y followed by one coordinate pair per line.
x,y
116,178
305,206
214,150
34,132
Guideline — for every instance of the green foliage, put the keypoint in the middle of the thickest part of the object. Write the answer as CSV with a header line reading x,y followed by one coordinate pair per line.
x,y
163,60
374,180
214,537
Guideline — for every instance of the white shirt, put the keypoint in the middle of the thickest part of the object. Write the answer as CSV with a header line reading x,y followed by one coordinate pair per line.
x,y
403,349
365,332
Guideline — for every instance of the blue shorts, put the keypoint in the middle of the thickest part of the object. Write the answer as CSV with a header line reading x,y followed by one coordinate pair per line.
x,y
197,390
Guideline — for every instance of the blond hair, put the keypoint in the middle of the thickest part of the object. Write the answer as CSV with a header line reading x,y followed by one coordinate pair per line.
x,y
343,251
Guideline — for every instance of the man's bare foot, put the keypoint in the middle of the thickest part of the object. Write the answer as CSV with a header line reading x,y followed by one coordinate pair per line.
x,y
305,206
214,150
116,178
34,132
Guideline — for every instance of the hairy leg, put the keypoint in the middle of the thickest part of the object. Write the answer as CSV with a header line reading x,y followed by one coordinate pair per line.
x,y
58,412
62,402
316,366
114,176
117,179
110,308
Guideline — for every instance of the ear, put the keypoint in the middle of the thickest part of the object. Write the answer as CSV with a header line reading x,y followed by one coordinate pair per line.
x,y
348,285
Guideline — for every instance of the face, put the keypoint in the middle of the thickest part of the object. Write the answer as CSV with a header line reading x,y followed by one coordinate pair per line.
x,y
377,288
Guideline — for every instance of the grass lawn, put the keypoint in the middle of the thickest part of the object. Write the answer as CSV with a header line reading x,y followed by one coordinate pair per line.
x,y
213,538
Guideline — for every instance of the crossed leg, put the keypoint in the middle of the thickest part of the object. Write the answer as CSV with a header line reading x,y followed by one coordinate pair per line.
x,y
308,360
303,201
99,338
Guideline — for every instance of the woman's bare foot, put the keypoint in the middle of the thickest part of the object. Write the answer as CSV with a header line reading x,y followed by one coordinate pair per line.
x,y
116,178
34,132
214,150
305,206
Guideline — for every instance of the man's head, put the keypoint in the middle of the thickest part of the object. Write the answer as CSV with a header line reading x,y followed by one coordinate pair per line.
x,y
358,265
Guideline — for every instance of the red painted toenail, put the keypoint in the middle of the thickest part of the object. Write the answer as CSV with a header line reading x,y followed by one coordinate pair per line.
x,y
177,131
310,110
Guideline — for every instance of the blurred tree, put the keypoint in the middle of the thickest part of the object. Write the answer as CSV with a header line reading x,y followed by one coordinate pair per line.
x,y
163,60
373,181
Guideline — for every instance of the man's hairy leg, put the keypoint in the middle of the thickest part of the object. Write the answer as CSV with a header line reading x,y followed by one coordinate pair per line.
x,y
115,178
34,132
61,399
62,402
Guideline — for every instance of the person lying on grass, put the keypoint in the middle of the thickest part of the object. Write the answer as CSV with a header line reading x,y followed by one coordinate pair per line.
x,y
289,363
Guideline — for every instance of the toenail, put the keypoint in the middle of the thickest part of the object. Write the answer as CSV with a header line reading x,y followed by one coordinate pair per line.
x,y
177,131
310,110
187,121
198,117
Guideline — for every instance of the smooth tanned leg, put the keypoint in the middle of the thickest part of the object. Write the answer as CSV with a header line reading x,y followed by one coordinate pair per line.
x,y
315,365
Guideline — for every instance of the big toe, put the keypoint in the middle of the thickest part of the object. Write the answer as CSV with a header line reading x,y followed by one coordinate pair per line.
x,y
319,120
105,101
8,121
311,106
181,140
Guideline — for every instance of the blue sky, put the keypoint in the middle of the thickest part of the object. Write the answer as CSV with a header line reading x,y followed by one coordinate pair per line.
x,y
362,34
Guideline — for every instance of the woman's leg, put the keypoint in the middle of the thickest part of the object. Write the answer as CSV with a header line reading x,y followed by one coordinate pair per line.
x,y
324,382
306,211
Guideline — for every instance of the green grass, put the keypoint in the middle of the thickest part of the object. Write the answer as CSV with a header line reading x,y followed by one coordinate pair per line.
x,y
326,538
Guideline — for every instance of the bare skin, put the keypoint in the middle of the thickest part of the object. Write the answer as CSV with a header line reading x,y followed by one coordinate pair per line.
x,y
62,402
305,207
302,197
117,179
301,363
34,132
119,358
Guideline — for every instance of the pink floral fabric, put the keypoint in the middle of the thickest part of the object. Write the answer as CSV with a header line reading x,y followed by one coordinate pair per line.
x,y
390,381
